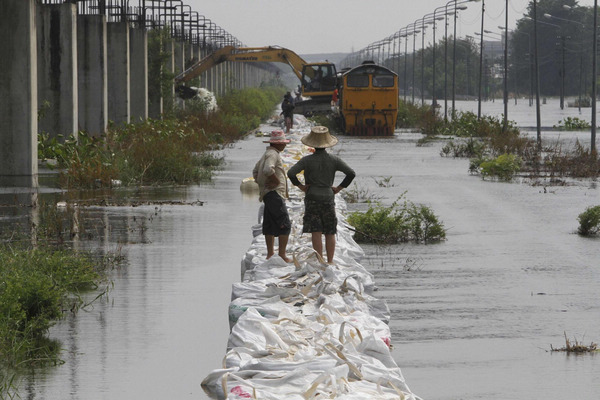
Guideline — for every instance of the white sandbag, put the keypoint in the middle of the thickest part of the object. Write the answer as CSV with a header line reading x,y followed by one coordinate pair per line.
x,y
307,330
270,307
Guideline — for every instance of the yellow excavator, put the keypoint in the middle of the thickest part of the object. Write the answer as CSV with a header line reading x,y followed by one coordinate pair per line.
x,y
318,80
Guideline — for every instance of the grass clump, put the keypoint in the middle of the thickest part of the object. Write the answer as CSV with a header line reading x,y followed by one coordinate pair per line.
x,y
41,279
576,347
37,285
589,221
356,194
400,222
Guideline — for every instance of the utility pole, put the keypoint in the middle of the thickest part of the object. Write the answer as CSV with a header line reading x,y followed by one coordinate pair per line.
x,y
481,59
505,121
537,79
594,75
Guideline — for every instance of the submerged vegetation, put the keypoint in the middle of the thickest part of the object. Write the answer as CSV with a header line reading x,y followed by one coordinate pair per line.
x,y
576,346
589,221
402,221
42,279
38,286
572,124
177,150
500,152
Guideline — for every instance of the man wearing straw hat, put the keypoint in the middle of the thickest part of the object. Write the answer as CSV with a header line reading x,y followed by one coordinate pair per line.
x,y
319,203
272,183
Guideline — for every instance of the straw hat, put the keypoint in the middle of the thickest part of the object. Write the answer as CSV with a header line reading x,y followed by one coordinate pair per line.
x,y
277,137
319,138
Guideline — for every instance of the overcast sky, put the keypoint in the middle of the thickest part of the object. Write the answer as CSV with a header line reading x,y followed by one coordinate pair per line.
x,y
332,26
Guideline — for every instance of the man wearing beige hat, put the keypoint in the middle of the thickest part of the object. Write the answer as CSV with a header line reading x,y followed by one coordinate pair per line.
x,y
319,203
272,183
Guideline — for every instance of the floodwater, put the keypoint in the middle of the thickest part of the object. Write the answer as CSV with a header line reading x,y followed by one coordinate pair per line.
x,y
473,317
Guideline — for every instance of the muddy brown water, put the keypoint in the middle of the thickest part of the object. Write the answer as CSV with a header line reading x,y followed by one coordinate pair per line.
x,y
473,317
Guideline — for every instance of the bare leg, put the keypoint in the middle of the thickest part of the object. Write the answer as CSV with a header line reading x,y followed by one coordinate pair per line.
x,y
330,247
270,240
317,242
283,240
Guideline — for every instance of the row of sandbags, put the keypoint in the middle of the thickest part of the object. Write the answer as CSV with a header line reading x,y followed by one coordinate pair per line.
x,y
307,330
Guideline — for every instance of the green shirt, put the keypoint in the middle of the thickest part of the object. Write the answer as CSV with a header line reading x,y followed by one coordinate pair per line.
x,y
319,172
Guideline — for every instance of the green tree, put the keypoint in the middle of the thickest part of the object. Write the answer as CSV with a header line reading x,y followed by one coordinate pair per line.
x,y
564,43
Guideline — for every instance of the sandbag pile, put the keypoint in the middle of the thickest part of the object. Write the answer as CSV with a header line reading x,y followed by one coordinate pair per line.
x,y
307,330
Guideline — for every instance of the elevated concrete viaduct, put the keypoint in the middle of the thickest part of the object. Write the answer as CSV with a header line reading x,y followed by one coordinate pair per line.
x,y
70,66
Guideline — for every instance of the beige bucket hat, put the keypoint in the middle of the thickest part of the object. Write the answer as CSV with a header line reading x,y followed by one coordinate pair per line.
x,y
319,138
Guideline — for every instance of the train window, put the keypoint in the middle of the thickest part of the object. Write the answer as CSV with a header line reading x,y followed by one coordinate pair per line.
x,y
386,80
358,80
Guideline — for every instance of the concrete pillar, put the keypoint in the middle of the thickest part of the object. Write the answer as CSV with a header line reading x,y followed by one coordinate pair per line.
x,y
57,69
178,57
139,74
179,65
18,102
119,90
208,79
92,73
203,77
170,52
191,55
155,98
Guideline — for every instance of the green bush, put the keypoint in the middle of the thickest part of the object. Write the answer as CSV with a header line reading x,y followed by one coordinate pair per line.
x,y
411,115
589,221
572,124
397,223
424,224
503,167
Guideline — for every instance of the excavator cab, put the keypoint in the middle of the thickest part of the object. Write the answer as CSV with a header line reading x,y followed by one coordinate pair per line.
x,y
319,79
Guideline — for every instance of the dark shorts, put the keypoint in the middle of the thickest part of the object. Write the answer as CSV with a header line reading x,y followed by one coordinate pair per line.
x,y
319,217
276,220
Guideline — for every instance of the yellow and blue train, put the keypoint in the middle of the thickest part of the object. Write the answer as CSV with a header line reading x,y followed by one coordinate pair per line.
x,y
368,100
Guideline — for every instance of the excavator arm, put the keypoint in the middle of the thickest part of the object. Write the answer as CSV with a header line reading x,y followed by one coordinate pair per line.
x,y
318,80
244,54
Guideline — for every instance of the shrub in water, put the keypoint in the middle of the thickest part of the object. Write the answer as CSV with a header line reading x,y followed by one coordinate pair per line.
x,y
572,124
411,115
589,221
397,223
503,167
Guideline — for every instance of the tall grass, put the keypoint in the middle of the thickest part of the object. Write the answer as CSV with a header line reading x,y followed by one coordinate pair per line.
x,y
176,150
42,279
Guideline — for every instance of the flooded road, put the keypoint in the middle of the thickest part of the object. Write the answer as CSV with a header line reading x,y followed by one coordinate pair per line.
x,y
472,317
